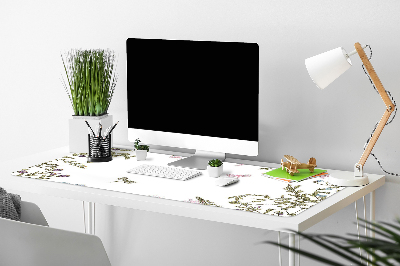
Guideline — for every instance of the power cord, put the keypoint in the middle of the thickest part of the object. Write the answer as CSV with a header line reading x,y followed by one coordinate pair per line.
x,y
387,123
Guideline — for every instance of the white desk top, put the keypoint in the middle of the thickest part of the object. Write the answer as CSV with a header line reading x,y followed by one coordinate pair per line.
x,y
185,190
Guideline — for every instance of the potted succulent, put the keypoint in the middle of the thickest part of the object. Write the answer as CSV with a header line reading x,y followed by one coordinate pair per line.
x,y
215,168
141,150
90,83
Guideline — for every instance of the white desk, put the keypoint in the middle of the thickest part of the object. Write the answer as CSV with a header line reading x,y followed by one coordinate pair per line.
x,y
297,223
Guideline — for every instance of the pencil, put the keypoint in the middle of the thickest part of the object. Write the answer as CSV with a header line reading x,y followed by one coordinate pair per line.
x,y
89,127
112,129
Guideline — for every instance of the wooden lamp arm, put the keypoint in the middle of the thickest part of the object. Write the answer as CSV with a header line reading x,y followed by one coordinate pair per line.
x,y
389,109
374,138
378,84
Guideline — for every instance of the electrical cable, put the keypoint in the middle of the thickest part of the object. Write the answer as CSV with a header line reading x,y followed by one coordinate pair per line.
x,y
387,123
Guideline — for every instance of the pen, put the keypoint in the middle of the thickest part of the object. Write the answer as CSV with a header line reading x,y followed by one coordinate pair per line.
x,y
97,131
89,127
112,129
106,132
100,129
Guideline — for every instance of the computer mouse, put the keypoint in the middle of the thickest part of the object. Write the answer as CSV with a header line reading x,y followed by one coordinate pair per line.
x,y
226,181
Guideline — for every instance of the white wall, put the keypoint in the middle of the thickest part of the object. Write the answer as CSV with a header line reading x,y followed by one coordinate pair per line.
x,y
295,117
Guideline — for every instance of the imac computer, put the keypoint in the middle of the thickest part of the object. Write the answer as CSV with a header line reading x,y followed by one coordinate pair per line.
x,y
200,95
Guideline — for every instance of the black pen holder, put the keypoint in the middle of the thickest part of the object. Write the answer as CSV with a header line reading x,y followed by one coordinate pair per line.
x,y
99,149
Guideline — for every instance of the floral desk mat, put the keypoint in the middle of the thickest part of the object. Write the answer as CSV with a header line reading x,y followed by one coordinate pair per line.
x,y
256,192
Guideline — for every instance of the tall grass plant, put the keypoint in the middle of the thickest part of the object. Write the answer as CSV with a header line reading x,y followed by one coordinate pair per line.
x,y
91,80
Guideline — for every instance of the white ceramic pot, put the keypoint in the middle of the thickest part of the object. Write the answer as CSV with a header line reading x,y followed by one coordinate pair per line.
x,y
215,171
141,155
78,130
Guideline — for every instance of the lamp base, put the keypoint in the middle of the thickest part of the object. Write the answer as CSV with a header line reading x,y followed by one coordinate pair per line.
x,y
347,179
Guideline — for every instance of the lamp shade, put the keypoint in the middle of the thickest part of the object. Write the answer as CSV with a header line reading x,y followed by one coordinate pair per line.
x,y
326,67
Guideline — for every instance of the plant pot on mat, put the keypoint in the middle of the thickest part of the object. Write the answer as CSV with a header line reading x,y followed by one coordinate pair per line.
x,y
141,150
215,168
90,83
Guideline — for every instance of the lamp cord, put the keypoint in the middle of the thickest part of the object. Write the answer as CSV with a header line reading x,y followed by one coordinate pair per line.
x,y
387,123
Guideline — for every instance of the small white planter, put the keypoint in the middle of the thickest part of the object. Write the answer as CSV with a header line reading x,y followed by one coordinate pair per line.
x,y
141,155
215,171
78,131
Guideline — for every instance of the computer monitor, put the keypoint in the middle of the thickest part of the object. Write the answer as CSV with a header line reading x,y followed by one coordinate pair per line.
x,y
199,95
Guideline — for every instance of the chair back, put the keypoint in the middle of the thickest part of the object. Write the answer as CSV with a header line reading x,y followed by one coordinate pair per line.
x,y
32,214
37,245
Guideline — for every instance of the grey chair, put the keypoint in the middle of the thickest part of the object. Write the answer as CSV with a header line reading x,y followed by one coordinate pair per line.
x,y
32,243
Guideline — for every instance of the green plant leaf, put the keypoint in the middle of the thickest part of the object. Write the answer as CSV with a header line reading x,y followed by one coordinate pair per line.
x,y
384,251
91,80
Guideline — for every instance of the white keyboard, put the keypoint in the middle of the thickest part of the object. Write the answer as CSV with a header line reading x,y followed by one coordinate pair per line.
x,y
165,171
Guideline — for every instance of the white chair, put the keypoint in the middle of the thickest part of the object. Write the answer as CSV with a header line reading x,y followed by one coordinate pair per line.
x,y
32,243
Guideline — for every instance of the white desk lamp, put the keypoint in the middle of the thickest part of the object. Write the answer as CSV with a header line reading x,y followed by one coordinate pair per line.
x,y
323,70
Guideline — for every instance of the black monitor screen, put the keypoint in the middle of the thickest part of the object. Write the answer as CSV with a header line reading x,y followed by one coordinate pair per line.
x,y
193,87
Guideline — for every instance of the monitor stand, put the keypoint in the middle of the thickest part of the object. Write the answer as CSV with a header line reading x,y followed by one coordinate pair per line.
x,y
199,160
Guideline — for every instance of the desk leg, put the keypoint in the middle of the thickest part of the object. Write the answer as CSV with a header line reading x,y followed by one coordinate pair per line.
x,y
88,214
372,214
292,243
372,210
298,247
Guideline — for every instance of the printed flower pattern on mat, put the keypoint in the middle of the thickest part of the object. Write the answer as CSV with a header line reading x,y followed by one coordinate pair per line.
x,y
72,161
52,169
290,204
237,176
82,154
206,202
116,152
125,180
45,171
